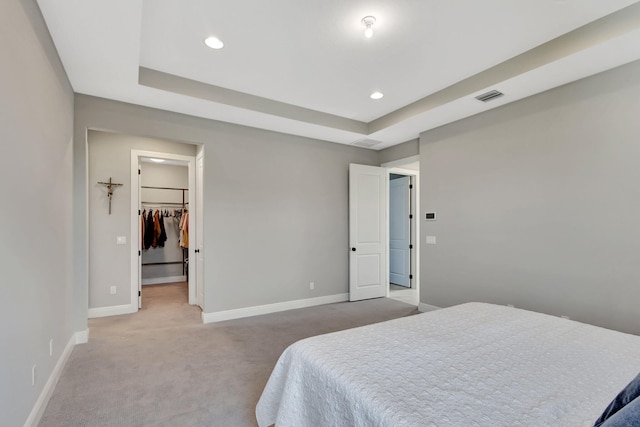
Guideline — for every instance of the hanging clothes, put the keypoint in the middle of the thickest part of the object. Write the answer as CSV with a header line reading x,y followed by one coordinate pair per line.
x,y
163,233
184,230
175,226
148,235
142,224
156,229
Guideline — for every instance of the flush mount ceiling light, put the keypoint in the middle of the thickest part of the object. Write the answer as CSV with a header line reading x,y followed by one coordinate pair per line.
x,y
368,22
213,42
376,95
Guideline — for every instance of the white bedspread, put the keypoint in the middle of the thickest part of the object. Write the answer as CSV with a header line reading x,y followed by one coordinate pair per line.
x,y
470,365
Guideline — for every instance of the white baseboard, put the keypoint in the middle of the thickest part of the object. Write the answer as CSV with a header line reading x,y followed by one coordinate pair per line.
x,y
423,308
113,310
160,280
41,404
82,337
238,313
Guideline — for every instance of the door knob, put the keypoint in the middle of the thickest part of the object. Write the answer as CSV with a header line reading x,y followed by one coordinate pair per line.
x,y
353,249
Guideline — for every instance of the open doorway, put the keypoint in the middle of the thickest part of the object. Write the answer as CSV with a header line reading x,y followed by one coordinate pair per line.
x,y
400,242
164,233
403,239
164,225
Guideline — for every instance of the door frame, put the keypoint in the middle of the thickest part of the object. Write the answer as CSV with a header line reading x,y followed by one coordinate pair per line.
x,y
396,167
199,237
405,220
135,221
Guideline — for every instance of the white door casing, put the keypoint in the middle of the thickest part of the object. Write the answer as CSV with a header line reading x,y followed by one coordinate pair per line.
x,y
199,230
414,195
367,232
136,269
399,231
140,235
193,231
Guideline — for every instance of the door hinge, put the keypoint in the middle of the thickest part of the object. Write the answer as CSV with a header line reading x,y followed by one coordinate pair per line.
x,y
138,171
410,276
410,186
139,252
139,293
410,216
410,246
139,213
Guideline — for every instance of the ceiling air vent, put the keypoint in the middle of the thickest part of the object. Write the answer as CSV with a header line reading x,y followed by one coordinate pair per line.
x,y
492,94
366,143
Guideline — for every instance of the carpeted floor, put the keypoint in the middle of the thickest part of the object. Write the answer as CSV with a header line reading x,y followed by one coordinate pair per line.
x,y
163,367
393,287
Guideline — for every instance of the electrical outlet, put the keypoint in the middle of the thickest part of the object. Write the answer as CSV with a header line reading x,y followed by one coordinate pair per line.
x,y
312,285
113,290
33,375
51,347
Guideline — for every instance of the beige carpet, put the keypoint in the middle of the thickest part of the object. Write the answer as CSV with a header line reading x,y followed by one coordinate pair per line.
x,y
163,367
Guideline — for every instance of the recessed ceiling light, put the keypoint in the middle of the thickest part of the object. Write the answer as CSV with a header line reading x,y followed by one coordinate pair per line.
x,y
376,95
213,42
157,160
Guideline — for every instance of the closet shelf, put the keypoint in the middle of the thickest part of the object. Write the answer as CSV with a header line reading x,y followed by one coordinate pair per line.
x,y
165,203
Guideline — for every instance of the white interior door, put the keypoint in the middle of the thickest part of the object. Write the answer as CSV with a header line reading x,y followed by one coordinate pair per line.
x,y
367,232
399,238
139,241
199,230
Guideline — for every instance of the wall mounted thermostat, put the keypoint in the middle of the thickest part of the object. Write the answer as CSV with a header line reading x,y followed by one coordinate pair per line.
x,y
430,216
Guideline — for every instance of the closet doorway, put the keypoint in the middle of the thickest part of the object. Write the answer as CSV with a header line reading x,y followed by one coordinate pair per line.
x,y
404,224
164,224
400,225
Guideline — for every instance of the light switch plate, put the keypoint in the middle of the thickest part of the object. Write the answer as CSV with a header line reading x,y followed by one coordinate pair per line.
x,y
121,240
431,240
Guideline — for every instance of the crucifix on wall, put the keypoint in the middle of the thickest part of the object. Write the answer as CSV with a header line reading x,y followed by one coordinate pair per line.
x,y
110,187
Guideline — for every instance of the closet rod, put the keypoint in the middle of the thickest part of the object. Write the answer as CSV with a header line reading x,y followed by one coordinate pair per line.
x,y
163,263
164,188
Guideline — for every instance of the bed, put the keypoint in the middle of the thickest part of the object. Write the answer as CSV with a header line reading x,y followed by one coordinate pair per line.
x,y
474,364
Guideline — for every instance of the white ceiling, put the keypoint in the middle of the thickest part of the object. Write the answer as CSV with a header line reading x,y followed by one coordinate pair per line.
x,y
305,68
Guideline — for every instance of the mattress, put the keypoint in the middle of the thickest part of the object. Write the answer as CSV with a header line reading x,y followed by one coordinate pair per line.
x,y
474,364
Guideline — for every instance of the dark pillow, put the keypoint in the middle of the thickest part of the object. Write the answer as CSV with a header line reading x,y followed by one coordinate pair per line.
x,y
624,410
628,416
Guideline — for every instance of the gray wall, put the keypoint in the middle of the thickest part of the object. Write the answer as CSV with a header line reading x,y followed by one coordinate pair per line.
x,y
110,156
35,189
275,205
400,151
538,204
